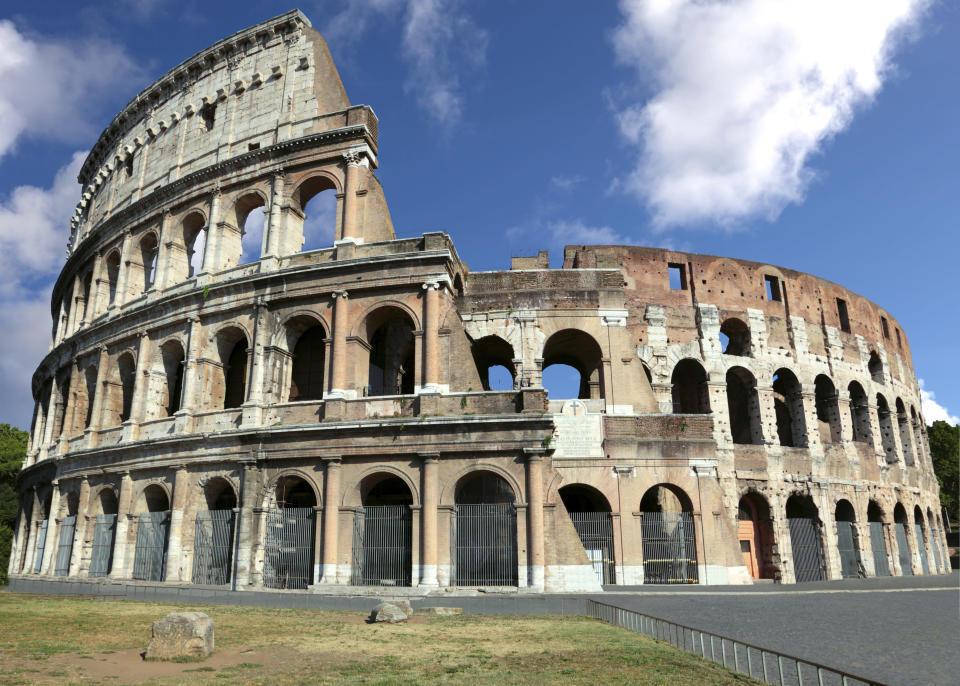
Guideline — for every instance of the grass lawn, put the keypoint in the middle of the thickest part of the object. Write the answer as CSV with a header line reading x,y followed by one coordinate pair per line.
x,y
47,639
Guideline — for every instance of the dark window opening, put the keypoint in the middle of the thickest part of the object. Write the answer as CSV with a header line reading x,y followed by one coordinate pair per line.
x,y
128,165
689,388
859,413
899,344
828,410
734,337
494,359
253,146
744,407
392,354
842,313
173,358
208,114
309,361
884,327
236,376
678,277
567,354
875,367
773,287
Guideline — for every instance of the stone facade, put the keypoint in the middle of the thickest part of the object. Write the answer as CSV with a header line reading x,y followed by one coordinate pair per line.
x,y
721,401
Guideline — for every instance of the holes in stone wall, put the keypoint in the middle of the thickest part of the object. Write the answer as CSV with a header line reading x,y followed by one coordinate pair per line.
x,y
678,276
843,316
772,284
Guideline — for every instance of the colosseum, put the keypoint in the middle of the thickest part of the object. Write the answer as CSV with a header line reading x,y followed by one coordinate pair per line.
x,y
236,399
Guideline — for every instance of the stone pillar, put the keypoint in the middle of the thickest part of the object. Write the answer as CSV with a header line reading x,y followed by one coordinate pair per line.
x,y
176,566
141,382
893,548
32,531
341,316
431,336
252,414
96,414
274,230
124,517
99,290
864,548
331,517
351,231
83,527
248,494
535,557
428,518
191,372
162,269
123,277
211,245
50,545
72,317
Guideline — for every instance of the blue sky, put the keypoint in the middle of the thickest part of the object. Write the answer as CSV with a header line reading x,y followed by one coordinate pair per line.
x,y
820,136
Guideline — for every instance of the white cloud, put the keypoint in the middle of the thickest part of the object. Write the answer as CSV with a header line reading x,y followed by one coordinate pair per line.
x,y
53,89
440,43
744,93
567,183
932,410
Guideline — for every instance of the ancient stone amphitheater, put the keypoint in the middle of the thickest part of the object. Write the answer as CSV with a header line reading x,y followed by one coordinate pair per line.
x,y
233,397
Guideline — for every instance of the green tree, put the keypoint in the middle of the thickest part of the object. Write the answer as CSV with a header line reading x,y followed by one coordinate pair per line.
x,y
945,451
13,448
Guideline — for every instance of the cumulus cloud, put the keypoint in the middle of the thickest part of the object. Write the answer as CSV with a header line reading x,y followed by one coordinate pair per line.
x,y
440,43
932,410
744,93
53,89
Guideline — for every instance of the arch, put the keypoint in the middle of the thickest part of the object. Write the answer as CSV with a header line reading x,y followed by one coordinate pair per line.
x,y
743,403
788,405
149,250
308,358
590,513
485,520
392,363
579,350
828,409
87,305
859,413
848,545
90,377
250,219
232,348
293,490
906,435
219,494
735,337
451,486
105,501
153,497
844,511
920,530
172,358
689,388
885,420
290,534
806,540
490,352
370,477
800,505
755,535
383,531
668,536
875,512
665,497
214,533
385,488
458,285
113,275
900,523
319,230
579,497
875,367
878,539
484,487
127,371
194,231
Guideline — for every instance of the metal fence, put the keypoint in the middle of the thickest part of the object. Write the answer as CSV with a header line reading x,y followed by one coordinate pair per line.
x,y
68,528
807,549
669,548
288,547
486,545
849,550
213,547
41,544
903,550
769,666
595,530
924,564
149,556
382,546
878,544
101,554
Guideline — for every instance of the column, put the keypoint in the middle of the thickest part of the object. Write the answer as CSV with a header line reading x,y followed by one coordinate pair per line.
x,y
893,548
21,533
252,415
535,519
338,382
211,245
331,516
33,527
72,316
244,547
351,232
83,526
124,276
53,517
141,381
96,419
428,518
191,369
100,294
175,561
124,517
431,337
274,230
163,254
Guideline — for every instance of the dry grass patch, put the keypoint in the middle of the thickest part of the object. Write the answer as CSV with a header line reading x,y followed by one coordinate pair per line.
x,y
67,640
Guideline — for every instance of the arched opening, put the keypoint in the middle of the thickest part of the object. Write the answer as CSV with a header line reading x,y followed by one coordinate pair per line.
x,y
485,520
920,530
309,359
113,276
689,388
383,533
918,448
232,347
172,357
668,536
885,421
806,542
859,413
878,540
579,351
788,404
153,528
935,540
194,242
734,337
590,513
906,435
494,359
42,533
88,308
316,199
213,534
68,529
875,367
90,378
392,363
290,535
744,406
828,409
127,371
900,523
755,535
149,250
848,541
251,220
458,285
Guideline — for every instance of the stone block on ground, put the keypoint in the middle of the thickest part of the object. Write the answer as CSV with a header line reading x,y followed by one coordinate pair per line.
x,y
387,612
441,611
181,634
403,604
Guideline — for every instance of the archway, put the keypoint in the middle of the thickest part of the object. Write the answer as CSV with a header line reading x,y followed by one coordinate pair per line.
x,y
494,359
485,520
828,409
589,511
668,536
734,337
875,367
743,404
232,348
213,536
104,533
392,367
113,276
290,535
934,541
755,535
383,533
250,217
848,545
43,532
878,541
309,359
172,358
689,388
149,250
921,532
806,542
900,532
68,528
579,351
316,200
906,435
788,405
859,413
885,420
153,528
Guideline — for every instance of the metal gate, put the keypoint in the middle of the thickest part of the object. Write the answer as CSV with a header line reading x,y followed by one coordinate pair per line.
x,y
903,550
382,545
149,557
41,544
213,547
924,564
878,544
848,549
595,530
101,555
669,548
68,528
486,540
807,549
288,548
